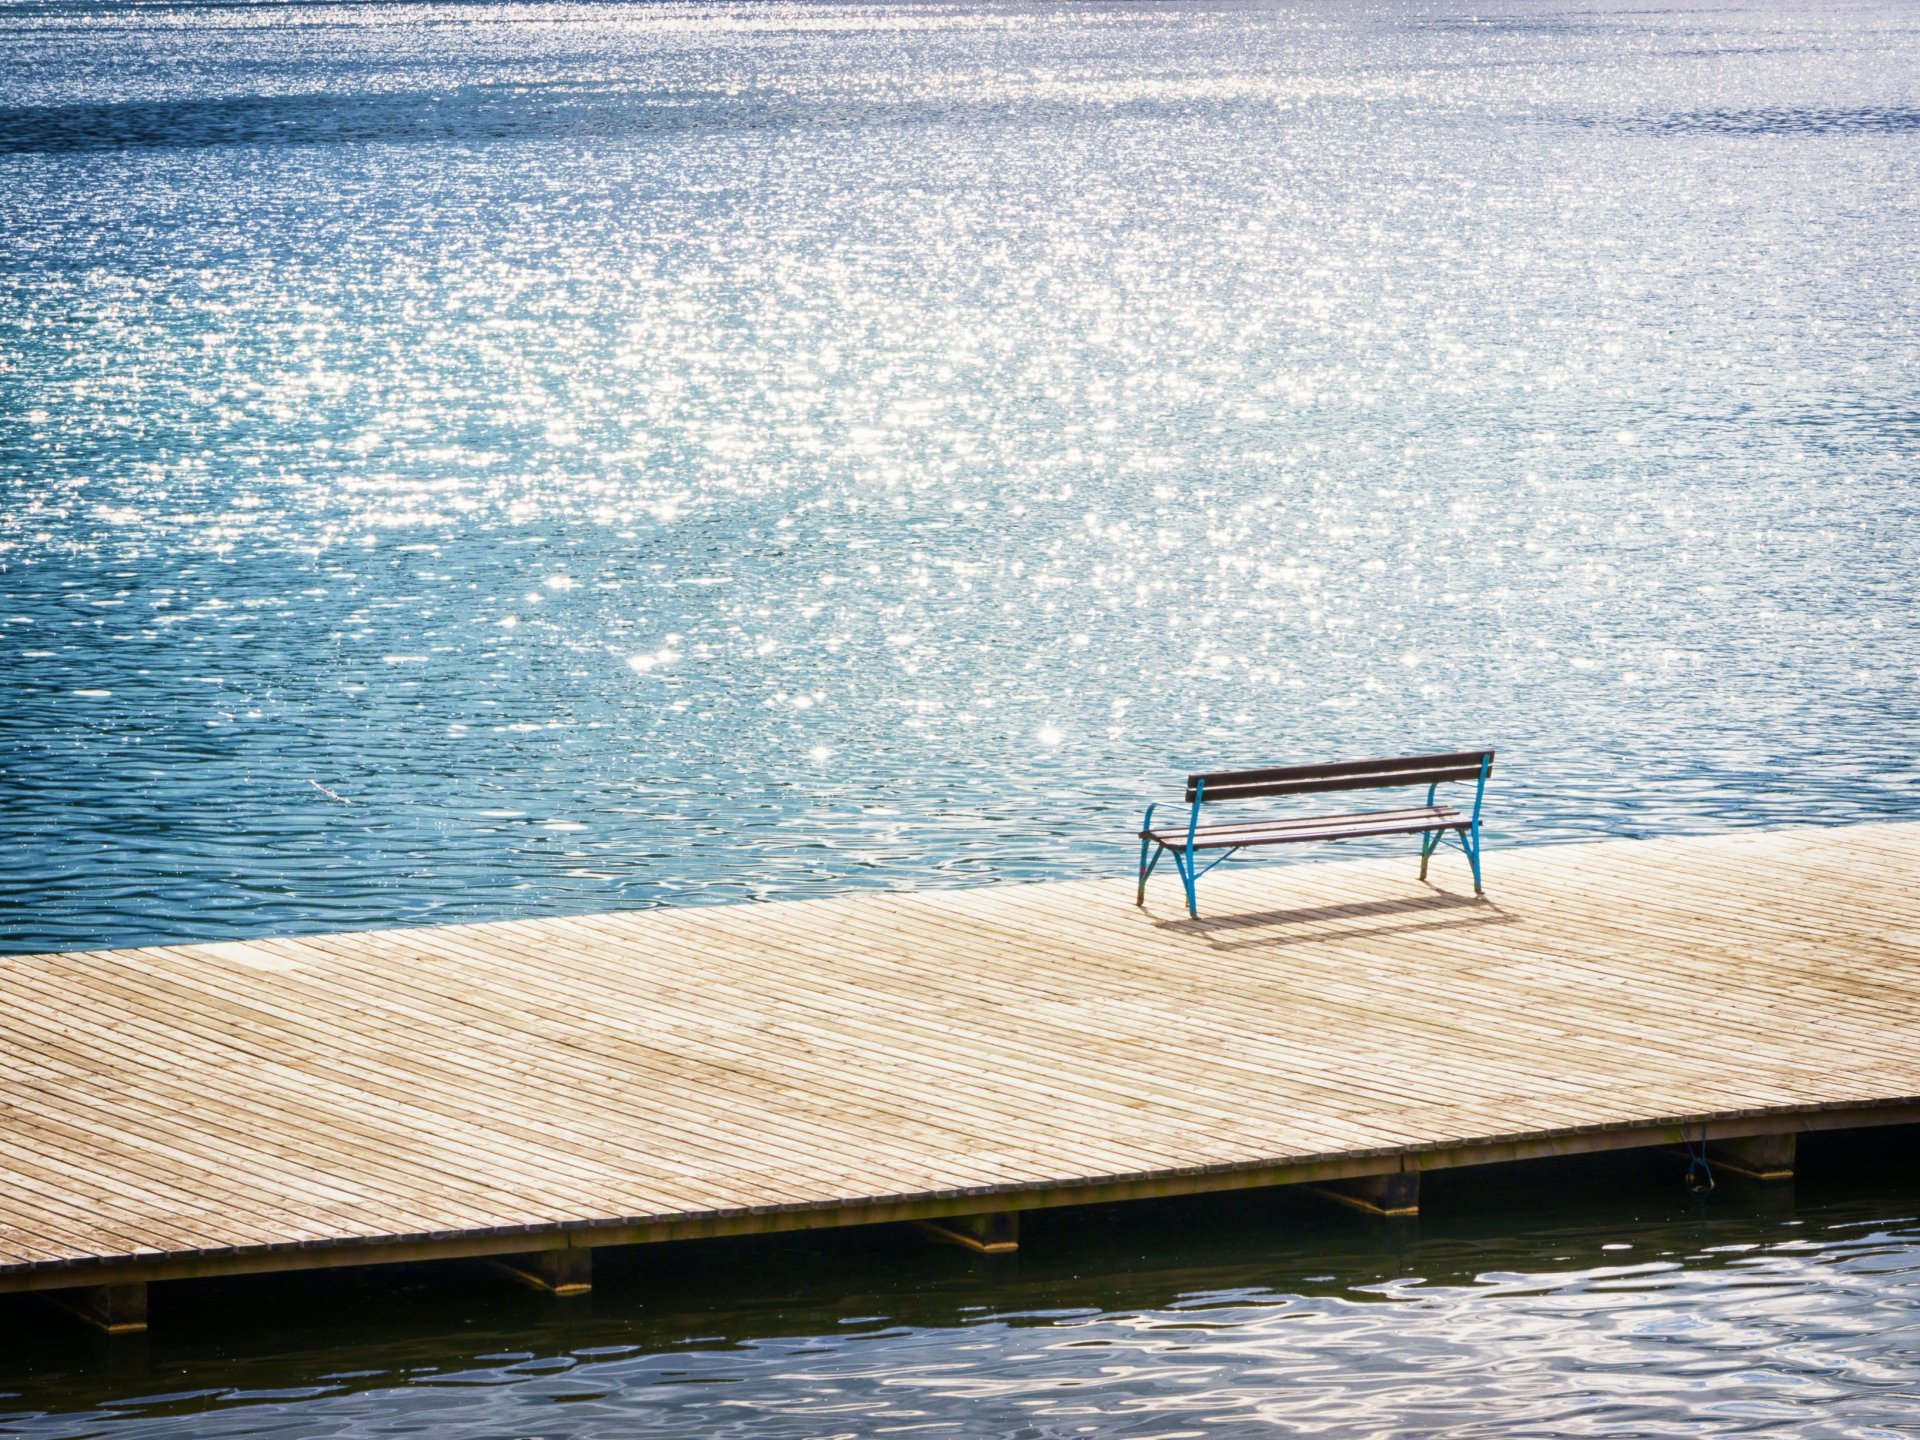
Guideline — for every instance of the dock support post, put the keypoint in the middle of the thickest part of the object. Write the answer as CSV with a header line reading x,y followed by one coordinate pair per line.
x,y
1758,1157
995,1234
112,1309
556,1272
1396,1193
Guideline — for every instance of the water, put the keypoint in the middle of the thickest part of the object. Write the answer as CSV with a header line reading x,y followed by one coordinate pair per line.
x,y
485,460
1575,1299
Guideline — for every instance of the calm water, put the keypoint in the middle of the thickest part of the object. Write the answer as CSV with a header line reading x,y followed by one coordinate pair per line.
x,y
1621,1307
465,461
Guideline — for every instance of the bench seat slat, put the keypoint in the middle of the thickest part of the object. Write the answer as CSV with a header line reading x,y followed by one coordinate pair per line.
x,y
1275,822
1417,821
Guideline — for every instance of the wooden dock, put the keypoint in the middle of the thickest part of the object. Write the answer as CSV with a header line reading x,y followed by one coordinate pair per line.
x,y
538,1088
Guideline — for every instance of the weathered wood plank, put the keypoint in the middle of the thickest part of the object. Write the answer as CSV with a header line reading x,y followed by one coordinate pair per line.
x,y
645,1075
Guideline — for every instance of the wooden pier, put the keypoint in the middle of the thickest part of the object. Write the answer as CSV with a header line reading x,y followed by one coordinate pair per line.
x,y
530,1090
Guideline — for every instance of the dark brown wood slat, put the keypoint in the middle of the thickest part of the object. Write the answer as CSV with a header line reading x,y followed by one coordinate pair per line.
x,y
1380,780
1176,834
1239,837
1334,769
1315,818
1297,837
1439,814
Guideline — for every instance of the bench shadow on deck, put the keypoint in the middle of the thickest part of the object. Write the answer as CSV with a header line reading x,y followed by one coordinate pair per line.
x,y
1436,910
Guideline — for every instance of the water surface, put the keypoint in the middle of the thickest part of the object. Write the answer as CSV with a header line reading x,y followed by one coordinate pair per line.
x,y
460,461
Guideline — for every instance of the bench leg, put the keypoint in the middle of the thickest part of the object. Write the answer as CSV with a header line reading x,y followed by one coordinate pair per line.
x,y
1146,865
1183,862
1473,841
1430,841
1146,868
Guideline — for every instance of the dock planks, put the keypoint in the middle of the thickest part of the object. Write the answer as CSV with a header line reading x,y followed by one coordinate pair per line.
x,y
649,1075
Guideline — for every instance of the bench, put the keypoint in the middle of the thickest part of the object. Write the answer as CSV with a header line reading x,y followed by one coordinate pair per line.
x,y
1431,822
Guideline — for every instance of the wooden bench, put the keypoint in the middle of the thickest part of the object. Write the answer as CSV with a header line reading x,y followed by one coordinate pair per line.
x,y
1431,822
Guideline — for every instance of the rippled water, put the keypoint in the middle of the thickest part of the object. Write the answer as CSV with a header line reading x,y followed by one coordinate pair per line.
x,y
1578,1299
470,460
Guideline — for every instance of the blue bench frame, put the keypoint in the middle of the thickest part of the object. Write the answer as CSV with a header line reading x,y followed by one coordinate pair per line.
x,y
1433,823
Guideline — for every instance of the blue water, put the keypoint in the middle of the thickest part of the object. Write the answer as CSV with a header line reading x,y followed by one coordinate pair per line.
x,y
475,460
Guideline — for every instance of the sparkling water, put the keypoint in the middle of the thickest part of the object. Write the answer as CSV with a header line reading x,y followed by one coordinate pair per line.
x,y
465,461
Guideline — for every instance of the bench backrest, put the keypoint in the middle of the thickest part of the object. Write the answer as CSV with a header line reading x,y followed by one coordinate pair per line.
x,y
1342,775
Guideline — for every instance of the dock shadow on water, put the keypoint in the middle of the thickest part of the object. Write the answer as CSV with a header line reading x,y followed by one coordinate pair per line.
x,y
1587,1296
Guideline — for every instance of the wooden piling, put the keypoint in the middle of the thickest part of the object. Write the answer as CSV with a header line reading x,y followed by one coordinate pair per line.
x,y
1396,1193
996,1233
1756,1157
112,1309
565,1272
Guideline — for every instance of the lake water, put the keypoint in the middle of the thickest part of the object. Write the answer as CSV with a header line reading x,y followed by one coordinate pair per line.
x,y
1555,1300
460,461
